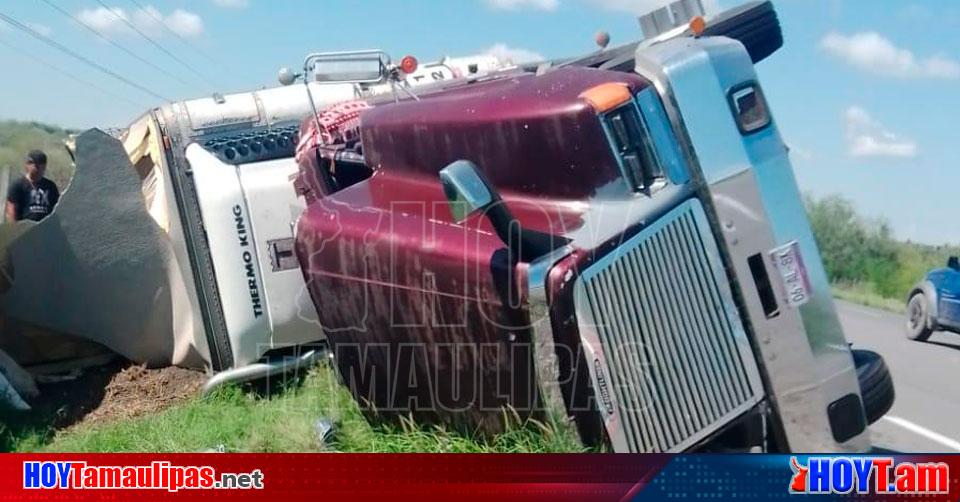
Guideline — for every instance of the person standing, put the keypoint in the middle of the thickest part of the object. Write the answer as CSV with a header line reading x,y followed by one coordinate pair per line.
x,y
33,196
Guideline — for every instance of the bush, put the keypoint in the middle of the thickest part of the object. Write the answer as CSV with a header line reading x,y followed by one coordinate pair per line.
x,y
862,253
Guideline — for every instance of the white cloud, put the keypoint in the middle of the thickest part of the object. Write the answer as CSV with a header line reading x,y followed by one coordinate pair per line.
x,y
148,20
639,7
102,19
866,137
185,23
514,54
232,4
871,52
40,28
521,4
940,66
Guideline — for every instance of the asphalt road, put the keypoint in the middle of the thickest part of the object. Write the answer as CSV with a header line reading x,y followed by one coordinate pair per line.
x,y
926,414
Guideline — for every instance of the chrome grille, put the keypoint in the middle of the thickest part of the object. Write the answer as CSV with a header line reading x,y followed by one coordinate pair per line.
x,y
677,362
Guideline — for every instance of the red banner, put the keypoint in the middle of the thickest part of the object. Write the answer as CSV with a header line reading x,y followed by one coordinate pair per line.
x,y
334,476
291,477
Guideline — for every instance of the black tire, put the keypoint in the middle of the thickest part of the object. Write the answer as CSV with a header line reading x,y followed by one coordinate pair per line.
x,y
919,326
876,384
755,25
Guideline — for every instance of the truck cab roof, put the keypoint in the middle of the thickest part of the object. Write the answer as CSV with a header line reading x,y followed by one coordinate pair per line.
x,y
529,133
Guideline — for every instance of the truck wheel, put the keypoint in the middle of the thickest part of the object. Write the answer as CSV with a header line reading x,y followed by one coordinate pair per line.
x,y
755,25
876,385
918,318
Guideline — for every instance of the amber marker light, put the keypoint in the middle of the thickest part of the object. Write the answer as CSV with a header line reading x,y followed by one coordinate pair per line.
x,y
698,25
605,97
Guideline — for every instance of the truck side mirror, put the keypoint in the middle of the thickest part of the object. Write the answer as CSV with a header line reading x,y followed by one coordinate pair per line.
x,y
466,189
469,192
954,263
367,66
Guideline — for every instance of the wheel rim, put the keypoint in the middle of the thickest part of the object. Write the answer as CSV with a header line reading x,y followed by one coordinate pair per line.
x,y
915,317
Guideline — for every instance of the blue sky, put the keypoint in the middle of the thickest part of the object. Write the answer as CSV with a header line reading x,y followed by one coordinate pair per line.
x,y
865,92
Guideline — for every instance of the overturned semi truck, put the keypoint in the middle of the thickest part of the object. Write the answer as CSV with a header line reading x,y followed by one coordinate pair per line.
x,y
616,240
146,240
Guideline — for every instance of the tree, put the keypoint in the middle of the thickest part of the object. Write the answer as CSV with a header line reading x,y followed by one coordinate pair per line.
x,y
857,250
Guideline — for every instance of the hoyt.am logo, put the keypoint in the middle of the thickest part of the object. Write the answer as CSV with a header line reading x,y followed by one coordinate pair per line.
x,y
877,475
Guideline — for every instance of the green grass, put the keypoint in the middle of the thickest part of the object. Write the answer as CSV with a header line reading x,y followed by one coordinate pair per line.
x,y
244,422
865,295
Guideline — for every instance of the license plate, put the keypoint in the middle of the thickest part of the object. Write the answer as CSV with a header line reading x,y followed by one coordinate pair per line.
x,y
789,262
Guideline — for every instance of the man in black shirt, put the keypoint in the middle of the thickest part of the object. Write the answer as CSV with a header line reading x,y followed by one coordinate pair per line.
x,y
32,197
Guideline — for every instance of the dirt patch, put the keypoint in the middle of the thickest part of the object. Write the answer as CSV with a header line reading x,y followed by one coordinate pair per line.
x,y
115,391
136,391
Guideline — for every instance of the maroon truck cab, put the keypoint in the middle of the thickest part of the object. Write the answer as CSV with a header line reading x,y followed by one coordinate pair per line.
x,y
426,314
632,265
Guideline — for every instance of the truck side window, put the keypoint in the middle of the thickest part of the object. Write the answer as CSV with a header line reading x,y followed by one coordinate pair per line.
x,y
749,108
634,149
662,136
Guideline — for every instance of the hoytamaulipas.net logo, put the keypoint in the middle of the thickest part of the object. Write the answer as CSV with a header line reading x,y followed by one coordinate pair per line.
x,y
877,475
160,475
